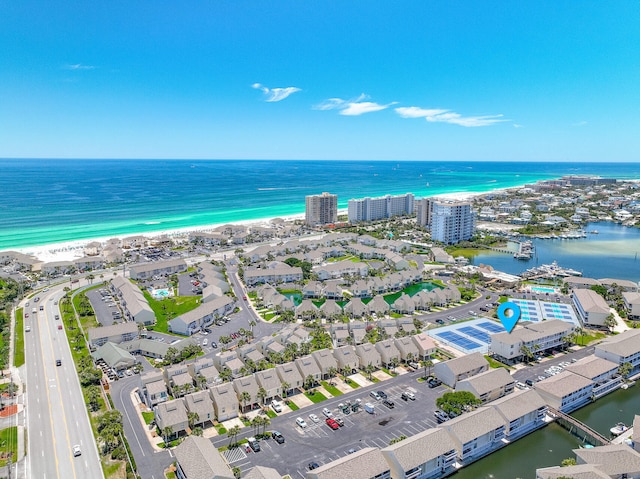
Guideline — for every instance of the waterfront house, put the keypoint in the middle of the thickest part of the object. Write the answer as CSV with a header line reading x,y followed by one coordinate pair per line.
x,y
622,348
623,284
615,460
565,391
523,412
346,358
592,309
489,385
201,404
172,414
578,282
428,454
157,268
476,433
632,304
198,458
115,333
366,463
583,471
225,401
457,369
602,372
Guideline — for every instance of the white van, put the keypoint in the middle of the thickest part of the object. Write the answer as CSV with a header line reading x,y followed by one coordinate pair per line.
x,y
276,406
205,341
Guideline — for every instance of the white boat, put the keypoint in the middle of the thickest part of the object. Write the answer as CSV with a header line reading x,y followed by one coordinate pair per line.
x,y
618,429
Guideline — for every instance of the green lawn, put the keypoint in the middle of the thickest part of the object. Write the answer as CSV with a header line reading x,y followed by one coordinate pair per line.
x,y
170,308
334,391
18,354
9,441
585,339
352,383
292,405
271,414
316,397
495,364
148,417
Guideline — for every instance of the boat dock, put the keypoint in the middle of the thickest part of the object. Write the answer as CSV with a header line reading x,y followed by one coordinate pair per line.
x,y
578,428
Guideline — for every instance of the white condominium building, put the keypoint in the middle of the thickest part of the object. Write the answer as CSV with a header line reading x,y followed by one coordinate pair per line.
x,y
371,209
450,222
321,209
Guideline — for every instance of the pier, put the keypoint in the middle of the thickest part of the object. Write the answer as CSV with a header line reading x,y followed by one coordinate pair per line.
x,y
578,428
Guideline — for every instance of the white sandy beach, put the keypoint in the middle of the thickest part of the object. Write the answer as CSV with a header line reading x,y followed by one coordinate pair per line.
x,y
70,250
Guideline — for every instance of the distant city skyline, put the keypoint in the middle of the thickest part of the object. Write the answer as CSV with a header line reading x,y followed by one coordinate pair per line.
x,y
525,81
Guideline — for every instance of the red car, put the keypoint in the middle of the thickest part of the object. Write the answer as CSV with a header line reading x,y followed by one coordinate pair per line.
x,y
332,424
59,326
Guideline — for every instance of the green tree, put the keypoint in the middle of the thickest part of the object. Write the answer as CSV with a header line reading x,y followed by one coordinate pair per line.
x,y
624,369
285,388
332,371
167,432
193,418
261,395
610,322
245,397
428,363
232,433
568,462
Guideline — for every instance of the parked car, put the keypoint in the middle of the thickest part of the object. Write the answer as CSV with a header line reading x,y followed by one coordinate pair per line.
x,y
314,418
390,404
276,406
375,395
440,321
279,438
529,382
313,465
332,424
434,383
408,395
327,413
253,444
339,420
382,394
301,422
441,416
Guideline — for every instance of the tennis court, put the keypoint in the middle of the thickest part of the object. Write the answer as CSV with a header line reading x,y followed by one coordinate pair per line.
x,y
468,336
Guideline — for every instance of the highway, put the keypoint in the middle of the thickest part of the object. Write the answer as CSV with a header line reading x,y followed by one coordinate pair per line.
x,y
56,414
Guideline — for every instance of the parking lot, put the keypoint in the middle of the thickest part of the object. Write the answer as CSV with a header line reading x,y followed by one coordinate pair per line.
x,y
318,442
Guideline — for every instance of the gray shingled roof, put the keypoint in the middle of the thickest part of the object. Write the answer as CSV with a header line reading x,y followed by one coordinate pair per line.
x,y
488,381
563,384
420,448
475,424
363,464
582,471
592,366
518,404
624,344
614,459
199,459
467,363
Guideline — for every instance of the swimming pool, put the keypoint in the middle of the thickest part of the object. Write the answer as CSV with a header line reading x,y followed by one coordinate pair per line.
x,y
542,289
160,293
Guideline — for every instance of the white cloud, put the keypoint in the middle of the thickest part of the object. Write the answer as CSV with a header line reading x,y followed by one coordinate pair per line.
x,y
354,107
79,66
517,125
580,123
275,94
447,116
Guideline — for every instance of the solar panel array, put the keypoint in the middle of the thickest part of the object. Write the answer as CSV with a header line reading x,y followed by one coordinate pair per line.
x,y
470,336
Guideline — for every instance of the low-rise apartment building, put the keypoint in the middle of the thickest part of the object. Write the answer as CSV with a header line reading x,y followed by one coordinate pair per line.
x,y
566,391
157,268
622,348
457,369
367,463
523,412
602,372
428,454
489,385
476,433
592,309
115,333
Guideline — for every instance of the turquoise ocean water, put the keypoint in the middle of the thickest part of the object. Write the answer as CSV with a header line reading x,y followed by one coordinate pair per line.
x,y
48,201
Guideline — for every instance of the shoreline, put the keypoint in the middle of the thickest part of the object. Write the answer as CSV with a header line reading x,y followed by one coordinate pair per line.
x,y
70,250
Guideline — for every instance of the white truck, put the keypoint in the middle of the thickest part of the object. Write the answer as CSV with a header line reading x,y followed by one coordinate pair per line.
x,y
370,408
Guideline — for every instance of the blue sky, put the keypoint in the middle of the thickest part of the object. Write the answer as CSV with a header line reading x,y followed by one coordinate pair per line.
x,y
420,80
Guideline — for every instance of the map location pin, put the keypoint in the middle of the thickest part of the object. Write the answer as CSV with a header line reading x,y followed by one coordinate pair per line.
x,y
509,314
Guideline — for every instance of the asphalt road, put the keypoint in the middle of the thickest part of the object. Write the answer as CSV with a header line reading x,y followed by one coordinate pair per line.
x,y
56,414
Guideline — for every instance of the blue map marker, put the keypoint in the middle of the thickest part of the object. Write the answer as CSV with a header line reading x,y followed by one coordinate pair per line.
x,y
509,320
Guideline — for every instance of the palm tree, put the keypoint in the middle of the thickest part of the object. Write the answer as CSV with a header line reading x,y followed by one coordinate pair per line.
x,y
369,369
233,433
256,422
624,369
332,371
261,395
309,381
579,332
265,422
245,397
167,432
526,352
393,362
610,322
225,374
192,418
197,431
427,363
285,387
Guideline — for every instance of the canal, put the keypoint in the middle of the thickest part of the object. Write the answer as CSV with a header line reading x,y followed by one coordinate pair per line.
x,y
551,444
